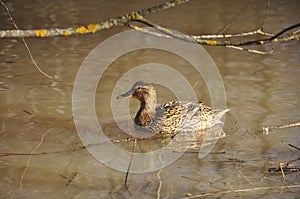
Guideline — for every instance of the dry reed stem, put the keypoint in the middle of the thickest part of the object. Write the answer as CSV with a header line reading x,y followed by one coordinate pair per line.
x,y
243,190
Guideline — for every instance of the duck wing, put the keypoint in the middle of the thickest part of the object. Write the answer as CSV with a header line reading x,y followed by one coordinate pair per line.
x,y
171,117
177,116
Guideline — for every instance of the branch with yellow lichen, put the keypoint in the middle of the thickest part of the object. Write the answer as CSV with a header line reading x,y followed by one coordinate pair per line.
x,y
214,40
90,28
128,19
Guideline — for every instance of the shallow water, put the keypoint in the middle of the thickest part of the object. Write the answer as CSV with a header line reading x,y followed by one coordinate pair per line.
x,y
261,90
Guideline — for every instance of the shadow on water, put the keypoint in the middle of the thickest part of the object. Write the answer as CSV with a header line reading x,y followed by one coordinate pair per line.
x,y
44,157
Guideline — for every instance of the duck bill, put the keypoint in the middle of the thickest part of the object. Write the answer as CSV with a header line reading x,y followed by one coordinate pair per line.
x,y
128,94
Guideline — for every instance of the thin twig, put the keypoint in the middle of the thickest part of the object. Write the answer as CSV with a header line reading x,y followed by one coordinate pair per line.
x,y
266,129
234,18
266,14
33,61
290,162
25,44
130,161
131,157
282,172
71,179
294,147
246,178
29,159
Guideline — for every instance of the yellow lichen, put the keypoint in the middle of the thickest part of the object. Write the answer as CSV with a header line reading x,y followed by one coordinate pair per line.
x,y
41,33
92,27
135,16
66,33
211,42
137,28
82,30
261,42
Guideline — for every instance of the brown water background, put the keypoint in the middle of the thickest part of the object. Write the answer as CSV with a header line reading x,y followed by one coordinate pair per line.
x,y
262,90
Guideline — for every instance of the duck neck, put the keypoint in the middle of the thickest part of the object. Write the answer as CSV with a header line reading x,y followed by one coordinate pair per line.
x,y
146,111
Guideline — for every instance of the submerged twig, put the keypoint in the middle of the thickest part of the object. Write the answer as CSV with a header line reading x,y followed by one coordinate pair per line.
x,y
71,179
130,160
245,177
29,158
286,169
235,17
294,147
67,150
125,140
27,112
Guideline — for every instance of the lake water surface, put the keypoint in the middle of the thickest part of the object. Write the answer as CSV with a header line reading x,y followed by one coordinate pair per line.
x,y
261,90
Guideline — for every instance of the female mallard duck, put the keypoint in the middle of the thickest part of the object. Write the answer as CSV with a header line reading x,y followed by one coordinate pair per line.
x,y
170,117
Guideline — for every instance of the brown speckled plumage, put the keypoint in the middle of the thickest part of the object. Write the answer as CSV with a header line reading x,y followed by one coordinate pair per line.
x,y
171,117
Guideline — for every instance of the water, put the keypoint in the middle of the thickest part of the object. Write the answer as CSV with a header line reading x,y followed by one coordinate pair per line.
x,y
261,90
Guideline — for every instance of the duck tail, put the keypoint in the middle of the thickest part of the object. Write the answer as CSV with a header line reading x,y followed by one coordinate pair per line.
x,y
221,113
217,118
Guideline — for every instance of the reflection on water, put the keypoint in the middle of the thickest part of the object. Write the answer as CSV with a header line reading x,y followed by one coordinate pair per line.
x,y
261,90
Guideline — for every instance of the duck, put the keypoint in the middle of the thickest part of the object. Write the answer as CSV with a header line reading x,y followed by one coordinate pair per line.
x,y
171,117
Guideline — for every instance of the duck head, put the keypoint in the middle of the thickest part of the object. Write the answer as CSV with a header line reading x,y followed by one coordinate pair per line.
x,y
146,94
141,91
